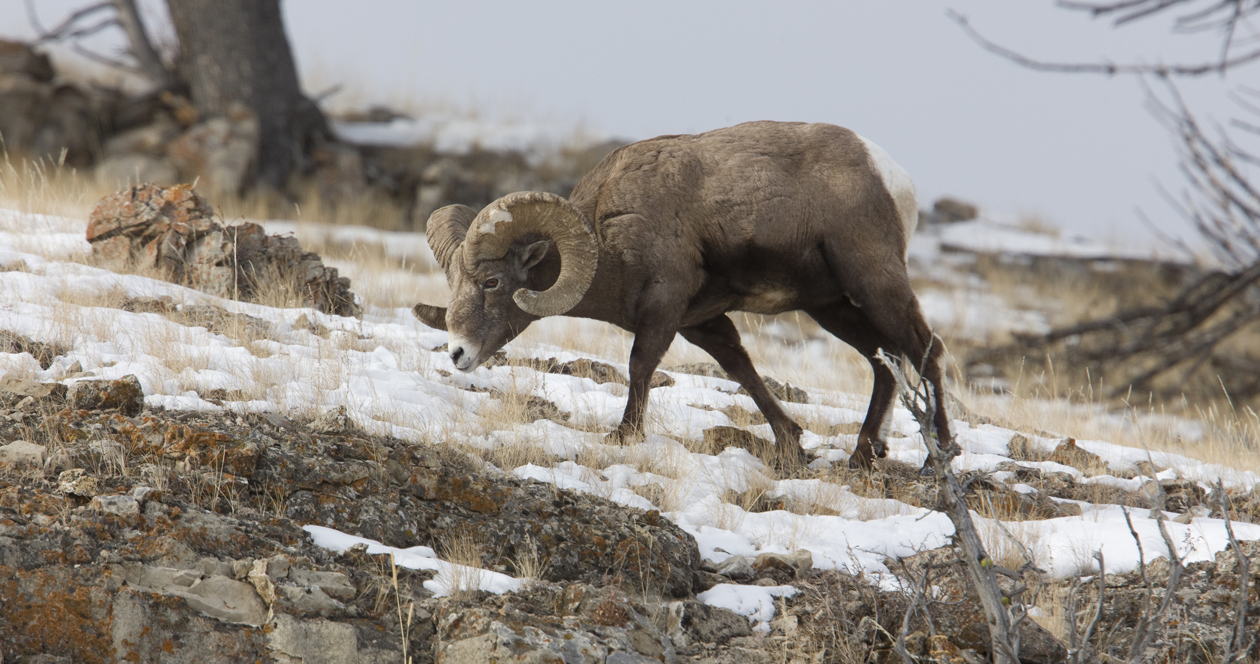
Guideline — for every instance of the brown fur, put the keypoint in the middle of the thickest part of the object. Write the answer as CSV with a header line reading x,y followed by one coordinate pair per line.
x,y
763,217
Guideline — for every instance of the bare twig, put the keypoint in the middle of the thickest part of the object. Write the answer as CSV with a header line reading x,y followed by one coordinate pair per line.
x,y
1077,647
1186,336
1151,620
1003,639
126,16
141,48
1107,68
61,30
1241,641
918,602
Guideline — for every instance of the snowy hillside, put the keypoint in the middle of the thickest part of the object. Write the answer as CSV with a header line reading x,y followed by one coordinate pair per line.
x,y
388,372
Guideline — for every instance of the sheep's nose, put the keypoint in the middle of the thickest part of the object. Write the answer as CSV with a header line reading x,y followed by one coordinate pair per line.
x,y
457,353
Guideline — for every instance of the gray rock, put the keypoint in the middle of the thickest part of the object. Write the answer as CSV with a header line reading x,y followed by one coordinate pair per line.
x,y
19,387
150,140
226,599
48,121
159,579
117,505
710,624
736,567
77,482
801,559
145,493
321,642
947,210
18,58
21,454
123,394
218,152
336,584
125,170
307,600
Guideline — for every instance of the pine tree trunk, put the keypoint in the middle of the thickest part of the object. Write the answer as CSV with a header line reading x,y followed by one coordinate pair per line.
x,y
236,51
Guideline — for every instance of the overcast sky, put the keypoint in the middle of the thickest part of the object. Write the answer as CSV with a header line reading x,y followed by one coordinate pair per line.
x,y
1080,151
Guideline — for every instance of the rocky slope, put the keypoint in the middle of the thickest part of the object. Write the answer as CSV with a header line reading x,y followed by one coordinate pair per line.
x,y
134,534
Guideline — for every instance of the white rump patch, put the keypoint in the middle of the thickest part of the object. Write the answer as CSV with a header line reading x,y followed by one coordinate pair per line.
x,y
897,182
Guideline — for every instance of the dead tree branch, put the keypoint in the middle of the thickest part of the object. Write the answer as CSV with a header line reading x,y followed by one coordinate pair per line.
x,y
126,16
1153,618
1224,16
1078,645
1003,637
141,47
1240,643
1186,334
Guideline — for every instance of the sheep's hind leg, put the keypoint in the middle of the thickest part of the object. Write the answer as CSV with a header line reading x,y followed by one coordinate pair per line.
x,y
719,338
895,316
851,326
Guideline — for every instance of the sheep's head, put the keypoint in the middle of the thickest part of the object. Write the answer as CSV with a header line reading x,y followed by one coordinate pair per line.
x,y
489,258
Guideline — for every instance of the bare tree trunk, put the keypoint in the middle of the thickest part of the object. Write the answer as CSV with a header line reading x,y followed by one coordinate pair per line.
x,y
141,47
236,51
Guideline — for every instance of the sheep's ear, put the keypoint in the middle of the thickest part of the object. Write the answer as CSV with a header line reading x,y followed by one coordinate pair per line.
x,y
531,255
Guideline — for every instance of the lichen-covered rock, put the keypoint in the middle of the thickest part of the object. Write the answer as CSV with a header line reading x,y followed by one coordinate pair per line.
x,y
20,454
214,567
77,482
173,229
124,395
574,623
419,502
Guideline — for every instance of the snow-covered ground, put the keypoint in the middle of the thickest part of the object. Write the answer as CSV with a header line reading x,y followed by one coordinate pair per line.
x,y
455,133
384,371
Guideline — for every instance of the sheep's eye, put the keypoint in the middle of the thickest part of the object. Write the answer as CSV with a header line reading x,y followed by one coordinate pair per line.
x,y
490,284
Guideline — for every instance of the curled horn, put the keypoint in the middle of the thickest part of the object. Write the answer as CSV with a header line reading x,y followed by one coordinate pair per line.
x,y
503,221
434,317
446,230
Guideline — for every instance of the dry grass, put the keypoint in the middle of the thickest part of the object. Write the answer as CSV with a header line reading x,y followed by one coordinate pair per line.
x,y
528,563
44,187
464,551
1038,404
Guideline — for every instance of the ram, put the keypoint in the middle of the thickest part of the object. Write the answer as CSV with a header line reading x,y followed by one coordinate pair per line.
x,y
668,235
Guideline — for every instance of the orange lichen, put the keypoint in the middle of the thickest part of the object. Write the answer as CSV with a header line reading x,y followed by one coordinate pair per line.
x,y
39,615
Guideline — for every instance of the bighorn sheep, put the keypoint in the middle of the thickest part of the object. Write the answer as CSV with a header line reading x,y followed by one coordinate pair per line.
x,y
667,235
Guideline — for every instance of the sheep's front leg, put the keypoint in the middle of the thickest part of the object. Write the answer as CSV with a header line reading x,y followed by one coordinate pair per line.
x,y
649,346
719,338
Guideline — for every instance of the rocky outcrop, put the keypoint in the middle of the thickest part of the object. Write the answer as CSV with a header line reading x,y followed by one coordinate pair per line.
x,y
167,536
218,152
1199,624
172,230
40,117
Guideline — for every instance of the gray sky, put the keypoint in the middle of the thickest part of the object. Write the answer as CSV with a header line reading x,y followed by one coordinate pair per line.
x,y
1080,151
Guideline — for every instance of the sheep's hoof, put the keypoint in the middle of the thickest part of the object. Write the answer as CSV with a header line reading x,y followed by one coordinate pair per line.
x,y
623,435
789,461
863,457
